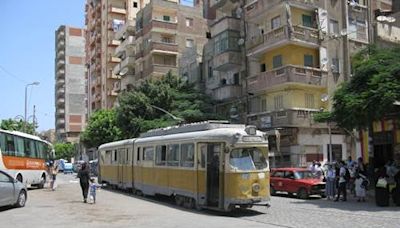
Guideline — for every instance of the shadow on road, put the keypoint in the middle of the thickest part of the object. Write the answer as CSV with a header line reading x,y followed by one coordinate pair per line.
x,y
6,208
169,202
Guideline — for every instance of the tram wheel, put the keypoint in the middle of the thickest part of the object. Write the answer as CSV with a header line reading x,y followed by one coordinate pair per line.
x,y
179,200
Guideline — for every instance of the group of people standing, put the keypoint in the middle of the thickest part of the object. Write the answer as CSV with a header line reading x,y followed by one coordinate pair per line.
x,y
340,176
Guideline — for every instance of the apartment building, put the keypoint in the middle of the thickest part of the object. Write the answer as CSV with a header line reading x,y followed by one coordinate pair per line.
x,y
165,29
275,63
103,20
70,95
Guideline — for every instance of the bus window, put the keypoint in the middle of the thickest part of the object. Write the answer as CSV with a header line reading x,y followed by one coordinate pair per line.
x,y
20,150
29,148
187,155
10,146
40,150
161,155
2,142
173,155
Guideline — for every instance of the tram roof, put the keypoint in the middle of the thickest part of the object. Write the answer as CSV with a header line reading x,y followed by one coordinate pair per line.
x,y
24,135
117,143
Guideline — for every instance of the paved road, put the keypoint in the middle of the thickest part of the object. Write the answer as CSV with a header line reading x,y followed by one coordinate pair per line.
x,y
64,208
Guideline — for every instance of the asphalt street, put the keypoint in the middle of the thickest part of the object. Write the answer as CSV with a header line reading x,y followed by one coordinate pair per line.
x,y
64,208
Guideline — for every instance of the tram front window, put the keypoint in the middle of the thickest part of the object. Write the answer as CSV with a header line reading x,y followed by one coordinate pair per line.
x,y
247,159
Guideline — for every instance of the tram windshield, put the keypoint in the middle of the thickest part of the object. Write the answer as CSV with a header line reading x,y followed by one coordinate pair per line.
x,y
247,159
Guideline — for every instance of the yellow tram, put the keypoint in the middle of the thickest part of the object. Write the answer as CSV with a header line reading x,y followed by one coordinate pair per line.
x,y
204,165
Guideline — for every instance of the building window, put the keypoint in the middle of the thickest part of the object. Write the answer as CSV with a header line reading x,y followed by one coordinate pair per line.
x,y
134,4
189,22
166,39
166,18
226,41
263,67
335,65
263,105
276,22
309,100
276,61
308,60
278,102
307,20
333,27
236,79
189,43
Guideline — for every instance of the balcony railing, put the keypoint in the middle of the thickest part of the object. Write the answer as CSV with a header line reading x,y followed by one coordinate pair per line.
x,y
164,46
287,74
284,34
225,23
299,117
225,92
158,24
117,10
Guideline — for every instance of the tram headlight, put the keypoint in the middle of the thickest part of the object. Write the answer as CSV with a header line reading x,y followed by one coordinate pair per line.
x,y
256,187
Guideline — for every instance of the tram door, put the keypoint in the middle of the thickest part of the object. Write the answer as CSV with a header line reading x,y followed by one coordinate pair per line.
x,y
121,156
213,174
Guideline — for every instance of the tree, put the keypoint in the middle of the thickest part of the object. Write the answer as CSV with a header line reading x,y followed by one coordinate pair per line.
x,y
64,151
101,128
135,113
372,91
18,125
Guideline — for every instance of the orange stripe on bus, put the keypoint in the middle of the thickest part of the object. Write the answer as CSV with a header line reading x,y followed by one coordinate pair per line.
x,y
11,162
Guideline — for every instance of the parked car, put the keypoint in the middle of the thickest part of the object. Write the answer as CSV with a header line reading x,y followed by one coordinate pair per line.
x,y
68,168
12,192
297,181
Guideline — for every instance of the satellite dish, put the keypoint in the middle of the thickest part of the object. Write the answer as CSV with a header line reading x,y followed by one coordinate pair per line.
x,y
240,41
324,97
123,71
343,32
390,19
353,3
381,18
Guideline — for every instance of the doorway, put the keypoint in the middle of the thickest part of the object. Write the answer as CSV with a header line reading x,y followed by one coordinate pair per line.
x,y
213,174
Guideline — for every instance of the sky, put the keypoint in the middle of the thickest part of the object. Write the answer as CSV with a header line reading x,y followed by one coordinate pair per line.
x,y
27,53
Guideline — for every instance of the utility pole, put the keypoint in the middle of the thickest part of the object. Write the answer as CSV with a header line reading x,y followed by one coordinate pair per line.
x,y
34,118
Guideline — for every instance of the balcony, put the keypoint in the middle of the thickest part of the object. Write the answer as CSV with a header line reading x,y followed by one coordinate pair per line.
x,y
60,111
60,44
61,35
60,63
299,35
112,92
60,121
60,101
127,29
60,82
163,47
113,59
127,45
225,92
227,60
111,75
157,25
225,23
223,5
287,74
296,117
116,10
61,91
60,73
128,62
114,43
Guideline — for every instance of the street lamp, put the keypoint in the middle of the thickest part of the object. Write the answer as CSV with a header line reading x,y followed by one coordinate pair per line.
x,y
26,90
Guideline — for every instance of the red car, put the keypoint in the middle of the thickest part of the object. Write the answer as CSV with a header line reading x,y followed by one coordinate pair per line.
x,y
296,180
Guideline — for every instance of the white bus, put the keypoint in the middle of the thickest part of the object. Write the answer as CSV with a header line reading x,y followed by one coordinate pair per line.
x,y
24,156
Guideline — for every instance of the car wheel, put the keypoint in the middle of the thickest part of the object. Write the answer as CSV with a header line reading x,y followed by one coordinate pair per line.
x,y
273,192
290,194
302,193
21,199
42,181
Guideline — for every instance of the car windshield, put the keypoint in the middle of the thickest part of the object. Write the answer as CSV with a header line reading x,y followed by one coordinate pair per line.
x,y
247,159
304,175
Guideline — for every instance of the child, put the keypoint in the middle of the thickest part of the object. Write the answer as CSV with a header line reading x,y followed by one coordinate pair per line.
x,y
361,184
92,190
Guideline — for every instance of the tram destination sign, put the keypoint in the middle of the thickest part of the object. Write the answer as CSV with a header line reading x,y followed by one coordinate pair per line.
x,y
252,139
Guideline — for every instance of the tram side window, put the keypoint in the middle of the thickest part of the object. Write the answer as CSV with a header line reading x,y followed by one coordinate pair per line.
x,y
161,155
108,157
10,146
115,156
187,155
173,155
148,153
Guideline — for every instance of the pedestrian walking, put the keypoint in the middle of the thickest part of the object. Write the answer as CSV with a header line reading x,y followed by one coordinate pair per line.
x,y
53,170
83,175
361,184
92,190
342,182
330,183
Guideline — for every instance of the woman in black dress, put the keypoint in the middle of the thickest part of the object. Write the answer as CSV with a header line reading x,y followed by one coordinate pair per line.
x,y
84,177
